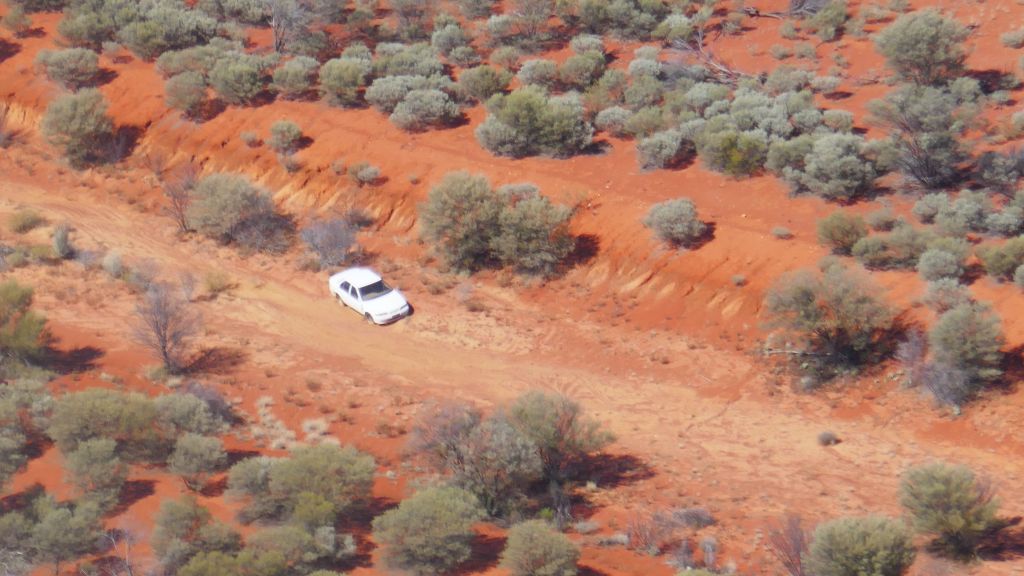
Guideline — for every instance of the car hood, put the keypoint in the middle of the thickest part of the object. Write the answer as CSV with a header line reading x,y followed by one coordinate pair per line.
x,y
390,302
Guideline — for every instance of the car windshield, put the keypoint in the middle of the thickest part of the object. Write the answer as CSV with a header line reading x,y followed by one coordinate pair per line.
x,y
375,290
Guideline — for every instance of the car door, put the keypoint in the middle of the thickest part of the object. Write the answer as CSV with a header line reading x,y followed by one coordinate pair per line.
x,y
345,295
355,301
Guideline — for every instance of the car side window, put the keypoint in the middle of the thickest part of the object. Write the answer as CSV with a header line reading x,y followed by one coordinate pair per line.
x,y
344,286
353,293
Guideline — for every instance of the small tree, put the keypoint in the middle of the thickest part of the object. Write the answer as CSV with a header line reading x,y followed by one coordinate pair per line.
x,y
184,528
429,533
950,503
869,546
564,436
79,125
841,231
841,317
837,168
676,222
534,549
186,92
95,469
284,137
924,47
195,458
527,123
72,68
178,192
969,338
331,240
166,325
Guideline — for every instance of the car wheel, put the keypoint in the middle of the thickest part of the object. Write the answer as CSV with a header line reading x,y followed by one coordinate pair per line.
x,y
369,318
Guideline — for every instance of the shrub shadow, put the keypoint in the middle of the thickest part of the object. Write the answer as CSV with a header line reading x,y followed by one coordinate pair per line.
x,y
74,361
357,523
123,142
700,241
990,80
23,499
486,552
1013,370
596,148
217,360
104,76
586,249
132,492
8,49
615,470
1003,544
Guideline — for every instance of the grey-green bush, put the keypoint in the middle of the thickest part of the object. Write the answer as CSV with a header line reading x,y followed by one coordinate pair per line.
x,y
561,431
96,471
1002,261
533,548
79,125
969,338
676,222
238,78
186,92
340,80
868,546
840,231
542,73
72,68
901,248
284,136
841,317
184,528
836,168
924,47
949,503
421,109
295,78
430,532
222,204
196,458
936,264
527,123
613,120
660,150
482,82
945,294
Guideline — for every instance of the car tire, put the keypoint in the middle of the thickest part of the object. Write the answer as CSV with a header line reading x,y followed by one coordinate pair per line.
x,y
369,318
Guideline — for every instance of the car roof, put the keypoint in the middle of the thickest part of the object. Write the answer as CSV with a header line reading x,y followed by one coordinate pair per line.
x,y
359,277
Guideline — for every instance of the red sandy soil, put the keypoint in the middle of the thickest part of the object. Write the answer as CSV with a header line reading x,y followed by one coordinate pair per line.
x,y
656,344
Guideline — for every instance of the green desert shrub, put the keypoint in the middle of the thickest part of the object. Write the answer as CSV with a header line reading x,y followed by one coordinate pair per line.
x,y
341,79
96,471
936,264
580,71
660,150
295,78
285,136
196,458
968,213
868,546
22,331
901,248
72,68
199,59
560,429
613,120
827,22
186,92
676,222
475,226
184,529
1002,261
840,231
386,93
836,168
527,123
534,548
339,477
223,204
945,294
841,317
127,418
482,82
951,504
163,26
79,125
543,73
927,208
969,338
421,109
238,78
430,532
733,152
924,47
